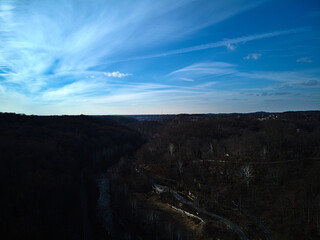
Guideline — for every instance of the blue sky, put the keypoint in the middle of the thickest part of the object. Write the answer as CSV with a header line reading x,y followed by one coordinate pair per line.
x,y
146,57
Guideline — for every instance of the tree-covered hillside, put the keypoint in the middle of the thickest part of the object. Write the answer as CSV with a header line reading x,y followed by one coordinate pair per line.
x,y
48,172
258,171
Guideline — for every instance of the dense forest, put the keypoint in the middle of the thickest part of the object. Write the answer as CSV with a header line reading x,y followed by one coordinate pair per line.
x,y
224,176
49,172
233,176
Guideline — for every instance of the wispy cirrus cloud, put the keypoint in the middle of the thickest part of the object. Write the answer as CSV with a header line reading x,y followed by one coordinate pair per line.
x,y
117,74
304,60
41,38
67,56
283,77
310,83
50,50
206,84
202,69
77,88
214,73
253,56
230,44
186,79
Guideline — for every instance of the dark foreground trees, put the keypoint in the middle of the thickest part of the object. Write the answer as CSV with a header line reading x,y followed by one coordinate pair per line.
x,y
48,171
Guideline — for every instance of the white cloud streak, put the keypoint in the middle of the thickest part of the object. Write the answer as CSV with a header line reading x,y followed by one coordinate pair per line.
x,y
230,43
117,74
285,77
72,89
202,69
212,73
186,79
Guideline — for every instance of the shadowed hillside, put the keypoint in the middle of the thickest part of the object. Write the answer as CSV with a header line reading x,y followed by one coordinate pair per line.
x,y
48,172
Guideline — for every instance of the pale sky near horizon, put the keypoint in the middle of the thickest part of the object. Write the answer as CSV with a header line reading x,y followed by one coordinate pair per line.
x,y
153,57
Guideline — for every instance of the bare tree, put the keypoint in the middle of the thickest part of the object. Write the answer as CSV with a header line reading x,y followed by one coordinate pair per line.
x,y
247,172
211,147
180,168
171,149
133,206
